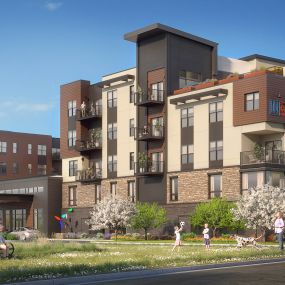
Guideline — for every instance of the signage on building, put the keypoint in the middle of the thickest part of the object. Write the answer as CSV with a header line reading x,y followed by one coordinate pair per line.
x,y
276,107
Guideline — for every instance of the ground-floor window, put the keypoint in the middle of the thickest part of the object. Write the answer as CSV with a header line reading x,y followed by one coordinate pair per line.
x,y
15,218
97,193
38,219
72,196
132,190
215,185
173,188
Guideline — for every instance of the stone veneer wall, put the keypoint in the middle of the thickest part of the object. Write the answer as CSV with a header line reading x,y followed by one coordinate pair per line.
x,y
193,186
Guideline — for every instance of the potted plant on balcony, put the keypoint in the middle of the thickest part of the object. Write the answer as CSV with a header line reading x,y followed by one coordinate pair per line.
x,y
142,159
95,136
258,152
158,128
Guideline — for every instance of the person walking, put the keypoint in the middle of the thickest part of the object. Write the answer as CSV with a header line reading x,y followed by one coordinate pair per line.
x,y
279,228
3,244
206,234
177,231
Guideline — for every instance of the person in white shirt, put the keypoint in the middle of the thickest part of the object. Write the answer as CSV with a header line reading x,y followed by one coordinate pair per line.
x,y
279,228
177,231
206,234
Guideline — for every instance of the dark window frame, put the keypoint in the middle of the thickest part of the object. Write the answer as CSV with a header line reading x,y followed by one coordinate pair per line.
x,y
217,151
187,120
72,201
174,192
213,191
112,131
3,168
111,189
132,190
255,102
112,98
72,168
132,160
98,193
217,114
132,127
132,93
112,164
189,155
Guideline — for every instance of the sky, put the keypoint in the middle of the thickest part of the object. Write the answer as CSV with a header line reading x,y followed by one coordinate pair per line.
x,y
46,43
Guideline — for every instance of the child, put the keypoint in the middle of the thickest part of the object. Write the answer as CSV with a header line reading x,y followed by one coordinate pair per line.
x,y
206,236
177,231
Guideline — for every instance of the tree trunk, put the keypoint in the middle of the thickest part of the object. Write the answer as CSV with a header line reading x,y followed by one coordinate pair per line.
x,y
145,234
214,232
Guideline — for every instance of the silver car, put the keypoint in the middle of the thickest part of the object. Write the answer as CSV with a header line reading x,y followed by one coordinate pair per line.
x,y
24,233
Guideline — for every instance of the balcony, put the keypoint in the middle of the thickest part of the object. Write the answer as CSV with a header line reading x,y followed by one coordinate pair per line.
x,y
149,168
153,97
88,145
262,158
56,156
149,133
89,113
89,175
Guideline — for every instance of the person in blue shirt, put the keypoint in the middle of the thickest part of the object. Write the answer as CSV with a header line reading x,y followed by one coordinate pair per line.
x,y
3,244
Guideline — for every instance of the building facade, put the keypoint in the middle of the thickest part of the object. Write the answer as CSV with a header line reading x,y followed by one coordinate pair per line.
x,y
185,125
30,188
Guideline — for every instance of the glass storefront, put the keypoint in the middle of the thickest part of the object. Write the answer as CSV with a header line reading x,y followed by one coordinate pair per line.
x,y
15,219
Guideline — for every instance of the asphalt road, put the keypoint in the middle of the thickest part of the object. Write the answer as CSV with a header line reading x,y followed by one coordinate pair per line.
x,y
262,274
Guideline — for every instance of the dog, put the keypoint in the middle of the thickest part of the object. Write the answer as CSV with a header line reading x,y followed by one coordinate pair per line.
x,y
244,241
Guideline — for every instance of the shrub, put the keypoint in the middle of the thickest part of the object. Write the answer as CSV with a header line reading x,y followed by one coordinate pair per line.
x,y
225,235
99,236
84,235
8,236
188,235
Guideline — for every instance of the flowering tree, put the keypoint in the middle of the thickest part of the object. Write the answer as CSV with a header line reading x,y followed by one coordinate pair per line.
x,y
114,213
259,206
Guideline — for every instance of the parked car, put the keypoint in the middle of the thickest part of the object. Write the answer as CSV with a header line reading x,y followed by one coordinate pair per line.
x,y
24,233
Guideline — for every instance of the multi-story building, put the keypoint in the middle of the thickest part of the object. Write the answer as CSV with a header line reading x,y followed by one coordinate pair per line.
x,y
30,188
183,126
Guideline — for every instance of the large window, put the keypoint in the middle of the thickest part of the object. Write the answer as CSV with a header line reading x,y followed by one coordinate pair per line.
x,y
113,188
132,94
29,148
187,117
112,98
132,160
42,149
72,196
132,190
216,150
252,101
173,188
71,108
112,131
112,163
42,169
132,127
187,78
98,193
216,112
187,154
3,168
15,167
3,147
15,147
215,185
72,167
71,138
38,219
157,91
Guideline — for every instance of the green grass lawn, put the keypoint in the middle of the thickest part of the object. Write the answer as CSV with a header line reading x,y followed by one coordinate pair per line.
x,y
43,260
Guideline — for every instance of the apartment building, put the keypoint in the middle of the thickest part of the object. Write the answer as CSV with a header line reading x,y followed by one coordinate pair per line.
x,y
30,188
185,125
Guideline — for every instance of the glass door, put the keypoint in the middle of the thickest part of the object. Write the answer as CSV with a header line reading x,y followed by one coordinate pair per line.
x,y
157,162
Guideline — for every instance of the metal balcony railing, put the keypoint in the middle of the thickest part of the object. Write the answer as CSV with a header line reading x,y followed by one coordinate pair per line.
x,y
88,145
89,113
263,156
149,167
153,96
89,174
150,132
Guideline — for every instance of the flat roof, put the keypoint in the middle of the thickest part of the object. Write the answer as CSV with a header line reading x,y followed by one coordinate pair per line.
x,y
255,56
158,28
21,133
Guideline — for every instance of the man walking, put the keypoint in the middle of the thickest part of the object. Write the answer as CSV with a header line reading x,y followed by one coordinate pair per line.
x,y
279,227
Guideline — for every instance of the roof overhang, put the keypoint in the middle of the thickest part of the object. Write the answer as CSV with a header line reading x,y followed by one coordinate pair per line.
x,y
158,28
259,56
8,199
124,78
199,96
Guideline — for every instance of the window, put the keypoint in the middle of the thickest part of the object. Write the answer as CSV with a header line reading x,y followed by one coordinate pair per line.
x,y
72,167
187,154
112,98
252,101
71,108
132,190
42,149
215,185
3,147
173,188
157,91
29,169
72,196
216,112
132,160
15,147
71,138
97,193
42,169
216,150
55,153
132,94
112,163
29,148
252,180
187,78
15,168
38,219
187,117
3,168
132,127
112,131
113,188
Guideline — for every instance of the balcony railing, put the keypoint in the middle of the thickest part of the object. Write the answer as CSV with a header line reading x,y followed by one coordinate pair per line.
x,y
89,113
149,167
88,145
149,132
55,156
88,175
267,157
152,97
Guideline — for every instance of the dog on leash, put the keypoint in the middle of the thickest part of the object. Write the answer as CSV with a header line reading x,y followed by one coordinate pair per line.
x,y
244,241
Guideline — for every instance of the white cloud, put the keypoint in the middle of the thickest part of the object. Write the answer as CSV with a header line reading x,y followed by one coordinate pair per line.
x,y
19,107
52,6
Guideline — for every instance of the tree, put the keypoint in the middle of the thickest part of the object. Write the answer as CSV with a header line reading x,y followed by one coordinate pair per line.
x,y
216,213
113,213
148,216
259,206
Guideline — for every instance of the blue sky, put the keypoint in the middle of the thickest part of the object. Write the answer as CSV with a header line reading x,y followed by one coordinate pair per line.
x,y
44,44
